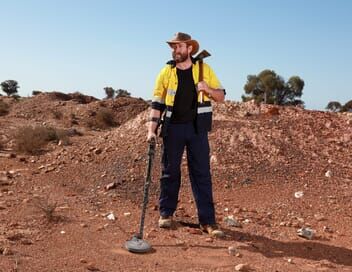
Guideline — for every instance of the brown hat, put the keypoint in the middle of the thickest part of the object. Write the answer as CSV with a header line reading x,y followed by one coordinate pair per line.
x,y
183,37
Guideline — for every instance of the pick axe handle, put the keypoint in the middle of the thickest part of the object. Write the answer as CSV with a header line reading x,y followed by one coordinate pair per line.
x,y
200,78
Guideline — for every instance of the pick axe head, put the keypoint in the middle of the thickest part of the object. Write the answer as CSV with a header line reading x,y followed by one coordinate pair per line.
x,y
203,54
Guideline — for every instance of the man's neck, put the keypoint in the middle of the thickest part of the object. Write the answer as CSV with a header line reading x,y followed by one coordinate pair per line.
x,y
185,64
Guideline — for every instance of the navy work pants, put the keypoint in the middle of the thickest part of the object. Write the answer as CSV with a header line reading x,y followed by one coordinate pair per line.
x,y
178,137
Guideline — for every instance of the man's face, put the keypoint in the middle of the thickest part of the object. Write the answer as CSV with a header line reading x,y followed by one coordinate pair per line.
x,y
180,52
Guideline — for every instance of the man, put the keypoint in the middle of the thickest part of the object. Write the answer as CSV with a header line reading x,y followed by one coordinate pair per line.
x,y
185,104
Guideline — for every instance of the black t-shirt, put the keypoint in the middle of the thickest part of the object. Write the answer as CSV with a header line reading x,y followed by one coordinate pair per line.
x,y
185,104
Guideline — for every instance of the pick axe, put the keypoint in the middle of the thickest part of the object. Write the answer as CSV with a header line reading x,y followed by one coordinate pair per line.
x,y
202,55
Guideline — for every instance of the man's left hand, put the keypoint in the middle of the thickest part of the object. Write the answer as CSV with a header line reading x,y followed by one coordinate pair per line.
x,y
203,86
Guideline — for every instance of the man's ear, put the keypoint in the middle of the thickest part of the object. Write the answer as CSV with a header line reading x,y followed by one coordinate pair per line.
x,y
190,48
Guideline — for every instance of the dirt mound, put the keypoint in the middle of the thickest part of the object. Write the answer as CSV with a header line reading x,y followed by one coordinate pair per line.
x,y
275,170
72,110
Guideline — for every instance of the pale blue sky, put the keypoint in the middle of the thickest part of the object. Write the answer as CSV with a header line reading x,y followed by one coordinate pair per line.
x,y
87,45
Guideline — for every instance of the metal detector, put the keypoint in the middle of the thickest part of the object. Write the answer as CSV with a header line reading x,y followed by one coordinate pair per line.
x,y
137,244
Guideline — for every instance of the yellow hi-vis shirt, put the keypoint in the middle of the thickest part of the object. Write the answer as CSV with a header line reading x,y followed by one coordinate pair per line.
x,y
165,92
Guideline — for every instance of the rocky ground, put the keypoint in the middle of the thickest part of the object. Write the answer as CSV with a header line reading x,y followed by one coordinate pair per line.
x,y
275,171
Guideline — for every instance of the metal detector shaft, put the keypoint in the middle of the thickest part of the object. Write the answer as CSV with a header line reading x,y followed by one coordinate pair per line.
x,y
151,153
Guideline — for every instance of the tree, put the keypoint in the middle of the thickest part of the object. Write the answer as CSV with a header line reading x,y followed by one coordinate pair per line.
x,y
110,92
334,106
270,88
9,87
121,92
347,107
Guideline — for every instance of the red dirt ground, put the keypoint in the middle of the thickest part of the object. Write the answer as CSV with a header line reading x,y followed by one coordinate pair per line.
x,y
260,157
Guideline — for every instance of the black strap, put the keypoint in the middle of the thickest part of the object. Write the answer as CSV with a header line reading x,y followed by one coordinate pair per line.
x,y
154,119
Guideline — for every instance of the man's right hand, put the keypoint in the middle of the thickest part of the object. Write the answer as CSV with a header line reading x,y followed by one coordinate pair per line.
x,y
151,136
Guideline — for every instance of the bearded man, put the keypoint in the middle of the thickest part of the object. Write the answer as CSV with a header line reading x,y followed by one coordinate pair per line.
x,y
184,103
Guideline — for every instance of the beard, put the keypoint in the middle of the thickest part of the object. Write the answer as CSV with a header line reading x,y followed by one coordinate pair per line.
x,y
180,57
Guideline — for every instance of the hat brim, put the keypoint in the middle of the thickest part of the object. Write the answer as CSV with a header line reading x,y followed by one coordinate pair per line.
x,y
194,43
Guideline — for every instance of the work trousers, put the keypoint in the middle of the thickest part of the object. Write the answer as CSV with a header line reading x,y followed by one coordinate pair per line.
x,y
178,137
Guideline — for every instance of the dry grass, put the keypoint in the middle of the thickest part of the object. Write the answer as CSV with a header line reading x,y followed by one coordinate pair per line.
x,y
31,140
48,208
102,119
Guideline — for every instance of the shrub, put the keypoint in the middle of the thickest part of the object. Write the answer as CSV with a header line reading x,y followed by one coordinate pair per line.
x,y
48,208
110,92
32,139
103,119
35,92
4,108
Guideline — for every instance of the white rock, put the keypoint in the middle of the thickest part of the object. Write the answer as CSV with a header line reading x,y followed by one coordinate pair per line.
x,y
242,267
246,221
62,232
232,250
299,194
307,233
328,174
127,214
232,222
213,159
111,217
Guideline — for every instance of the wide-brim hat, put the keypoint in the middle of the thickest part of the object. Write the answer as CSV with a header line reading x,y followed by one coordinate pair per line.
x,y
183,37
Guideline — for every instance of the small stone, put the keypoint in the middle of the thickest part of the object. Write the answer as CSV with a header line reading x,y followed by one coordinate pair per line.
x,y
209,240
213,159
110,186
83,225
111,217
180,242
246,221
307,233
299,194
83,261
127,214
98,151
327,229
241,267
328,174
232,222
290,261
232,250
